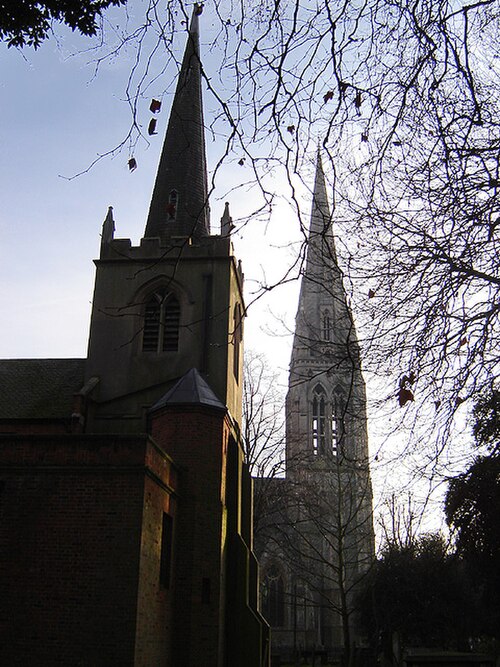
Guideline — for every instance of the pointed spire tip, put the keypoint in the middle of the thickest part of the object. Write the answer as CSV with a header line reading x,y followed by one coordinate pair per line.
x,y
194,26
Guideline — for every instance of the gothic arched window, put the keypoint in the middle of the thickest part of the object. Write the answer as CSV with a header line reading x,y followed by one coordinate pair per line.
x,y
161,323
318,421
273,598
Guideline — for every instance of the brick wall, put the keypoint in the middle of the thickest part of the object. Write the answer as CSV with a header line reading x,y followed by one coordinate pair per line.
x,y
196,437
71,513
154,602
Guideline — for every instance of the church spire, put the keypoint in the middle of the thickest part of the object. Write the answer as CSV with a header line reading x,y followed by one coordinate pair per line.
x,y
326,408
320,198
324,325
179,204
321,255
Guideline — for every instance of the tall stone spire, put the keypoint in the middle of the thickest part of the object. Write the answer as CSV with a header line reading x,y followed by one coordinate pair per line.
x,y
324,326
179,205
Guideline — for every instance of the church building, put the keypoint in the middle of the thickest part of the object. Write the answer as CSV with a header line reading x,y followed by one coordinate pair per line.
x,y
125,502
313,528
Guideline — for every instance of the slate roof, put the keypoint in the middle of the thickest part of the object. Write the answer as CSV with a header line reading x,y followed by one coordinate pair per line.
x,y
39,388
191,389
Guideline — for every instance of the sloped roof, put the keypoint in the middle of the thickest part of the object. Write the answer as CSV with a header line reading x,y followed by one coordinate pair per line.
x,y
39,388
191,389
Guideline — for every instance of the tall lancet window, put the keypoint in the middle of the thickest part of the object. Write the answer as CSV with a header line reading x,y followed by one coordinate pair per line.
x,y
318,421
327,326
161,323
173,198
335,426
337,422
273,598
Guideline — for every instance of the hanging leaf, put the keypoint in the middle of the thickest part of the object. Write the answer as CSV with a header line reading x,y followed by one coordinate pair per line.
x,y
357,100
132,164
328,96
404,396
155,106
371,294
291,129
241,162
152,127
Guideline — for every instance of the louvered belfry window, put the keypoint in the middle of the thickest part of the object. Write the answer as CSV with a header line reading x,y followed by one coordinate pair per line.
x,y
161,323
171,316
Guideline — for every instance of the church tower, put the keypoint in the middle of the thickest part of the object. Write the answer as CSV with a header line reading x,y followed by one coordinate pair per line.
x,y
315,551
174,302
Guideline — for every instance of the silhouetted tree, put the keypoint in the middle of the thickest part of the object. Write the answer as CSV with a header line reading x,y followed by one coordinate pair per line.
x,y
487,421
472,509
420,592
263,417
29,22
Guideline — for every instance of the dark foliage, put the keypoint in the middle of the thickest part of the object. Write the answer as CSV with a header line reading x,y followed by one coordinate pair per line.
x,y
472,510
487,423
28,22
420,592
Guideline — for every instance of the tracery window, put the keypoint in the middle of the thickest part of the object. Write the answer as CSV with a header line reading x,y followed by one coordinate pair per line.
x,y
161,323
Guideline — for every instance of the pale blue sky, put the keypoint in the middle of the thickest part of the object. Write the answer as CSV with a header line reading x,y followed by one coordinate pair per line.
x,y
55,119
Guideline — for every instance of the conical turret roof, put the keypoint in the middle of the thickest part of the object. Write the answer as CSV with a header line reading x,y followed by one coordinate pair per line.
x,y
191,389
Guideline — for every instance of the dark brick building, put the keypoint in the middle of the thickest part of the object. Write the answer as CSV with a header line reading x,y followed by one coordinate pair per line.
x,y
125,503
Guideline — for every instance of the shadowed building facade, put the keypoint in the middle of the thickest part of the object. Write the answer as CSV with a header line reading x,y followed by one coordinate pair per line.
x,y
314,530
125,530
